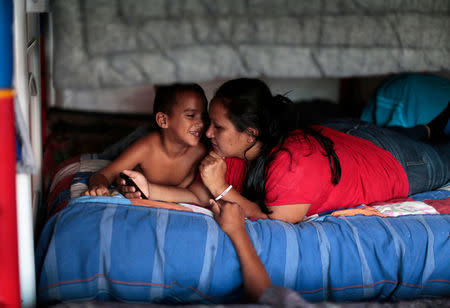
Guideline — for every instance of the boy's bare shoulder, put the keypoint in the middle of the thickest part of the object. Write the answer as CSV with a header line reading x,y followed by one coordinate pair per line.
x,y
151,139
145,144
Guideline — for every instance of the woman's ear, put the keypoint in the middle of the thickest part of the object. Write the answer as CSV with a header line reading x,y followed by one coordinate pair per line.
x,y
161,120
252,133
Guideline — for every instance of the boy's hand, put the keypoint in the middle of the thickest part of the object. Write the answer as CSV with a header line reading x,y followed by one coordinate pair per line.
x,y
229,216
97,190
129,191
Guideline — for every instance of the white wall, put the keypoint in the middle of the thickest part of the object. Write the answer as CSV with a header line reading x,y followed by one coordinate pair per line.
x,y
140,99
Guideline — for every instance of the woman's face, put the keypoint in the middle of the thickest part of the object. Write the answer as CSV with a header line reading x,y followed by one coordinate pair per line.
x,y
226,140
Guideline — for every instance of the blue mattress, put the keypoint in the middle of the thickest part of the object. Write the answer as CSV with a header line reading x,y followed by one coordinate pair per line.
x,y
104,248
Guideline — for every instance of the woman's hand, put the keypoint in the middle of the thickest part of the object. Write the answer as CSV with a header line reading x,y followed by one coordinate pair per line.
x,y
129,191
229,216
212,170
97,190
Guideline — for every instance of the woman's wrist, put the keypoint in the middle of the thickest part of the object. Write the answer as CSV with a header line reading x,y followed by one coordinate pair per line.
x,y
222,194
219,189
238,234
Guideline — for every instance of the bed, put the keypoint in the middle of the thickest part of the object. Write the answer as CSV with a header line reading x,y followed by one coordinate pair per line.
x,y
134,251
115,249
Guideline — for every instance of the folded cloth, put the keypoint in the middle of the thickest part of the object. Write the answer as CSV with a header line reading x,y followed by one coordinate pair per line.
x,y
172,206
362,210
406,208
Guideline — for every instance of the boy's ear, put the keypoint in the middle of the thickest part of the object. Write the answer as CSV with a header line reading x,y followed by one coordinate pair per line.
x,y
161,119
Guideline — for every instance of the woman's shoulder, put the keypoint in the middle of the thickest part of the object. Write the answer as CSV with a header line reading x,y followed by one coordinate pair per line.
x,y
299,135
299,140
300,144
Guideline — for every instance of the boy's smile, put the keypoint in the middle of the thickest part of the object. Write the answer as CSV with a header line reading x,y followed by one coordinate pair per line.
x,y
196,133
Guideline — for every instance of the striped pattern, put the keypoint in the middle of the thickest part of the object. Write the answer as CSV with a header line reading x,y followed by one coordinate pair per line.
x,y
6,94
104,248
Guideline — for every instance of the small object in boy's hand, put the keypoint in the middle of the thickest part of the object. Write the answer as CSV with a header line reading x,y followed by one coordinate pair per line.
x,y
130,182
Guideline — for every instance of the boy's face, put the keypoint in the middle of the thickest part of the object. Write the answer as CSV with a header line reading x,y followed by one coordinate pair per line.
x,y
186,118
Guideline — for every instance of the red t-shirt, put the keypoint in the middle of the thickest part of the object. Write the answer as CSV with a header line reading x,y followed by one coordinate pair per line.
x,y
236,171
369,173
235,174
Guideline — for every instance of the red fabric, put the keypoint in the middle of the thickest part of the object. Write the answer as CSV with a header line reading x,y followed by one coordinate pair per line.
x,y
235,172
369,174
441,205
56,150
9,258
62,185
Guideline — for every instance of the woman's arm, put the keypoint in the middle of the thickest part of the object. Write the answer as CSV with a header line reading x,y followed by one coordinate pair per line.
x,y
195,193
250,209
212,171
230,217
292,213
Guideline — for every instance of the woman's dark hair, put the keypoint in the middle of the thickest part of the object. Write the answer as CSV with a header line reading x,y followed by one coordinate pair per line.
x,y
250,103
166,96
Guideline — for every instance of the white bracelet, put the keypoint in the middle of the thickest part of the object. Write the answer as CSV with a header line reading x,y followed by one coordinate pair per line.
x,y
224,193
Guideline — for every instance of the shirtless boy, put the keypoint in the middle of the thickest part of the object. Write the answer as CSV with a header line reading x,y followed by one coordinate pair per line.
x,y
170,155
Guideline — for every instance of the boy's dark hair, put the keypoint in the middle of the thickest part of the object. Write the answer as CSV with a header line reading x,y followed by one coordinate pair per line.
x,y
166,96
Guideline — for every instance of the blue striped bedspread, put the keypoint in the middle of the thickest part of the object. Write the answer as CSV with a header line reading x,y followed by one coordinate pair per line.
x,y
104,248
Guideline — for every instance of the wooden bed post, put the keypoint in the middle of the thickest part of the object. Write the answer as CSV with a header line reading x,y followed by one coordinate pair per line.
x,y
9,281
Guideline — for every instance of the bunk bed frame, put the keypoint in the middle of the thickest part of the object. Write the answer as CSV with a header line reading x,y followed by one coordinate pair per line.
x,y
23,191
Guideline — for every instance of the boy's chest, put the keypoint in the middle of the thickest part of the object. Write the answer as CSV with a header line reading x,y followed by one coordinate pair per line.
x,y
167,172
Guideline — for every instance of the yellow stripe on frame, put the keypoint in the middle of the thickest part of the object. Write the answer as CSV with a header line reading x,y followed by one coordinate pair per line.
x,y
6,93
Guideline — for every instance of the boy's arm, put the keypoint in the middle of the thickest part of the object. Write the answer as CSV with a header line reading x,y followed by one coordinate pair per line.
x,y
131,157
195,193
230,217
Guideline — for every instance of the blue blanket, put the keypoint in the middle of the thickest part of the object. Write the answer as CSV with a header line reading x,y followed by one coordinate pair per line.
x,y
104,248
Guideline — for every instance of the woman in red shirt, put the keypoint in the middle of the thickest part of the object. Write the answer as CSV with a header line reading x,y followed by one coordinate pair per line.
x,y
293,173
292,170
